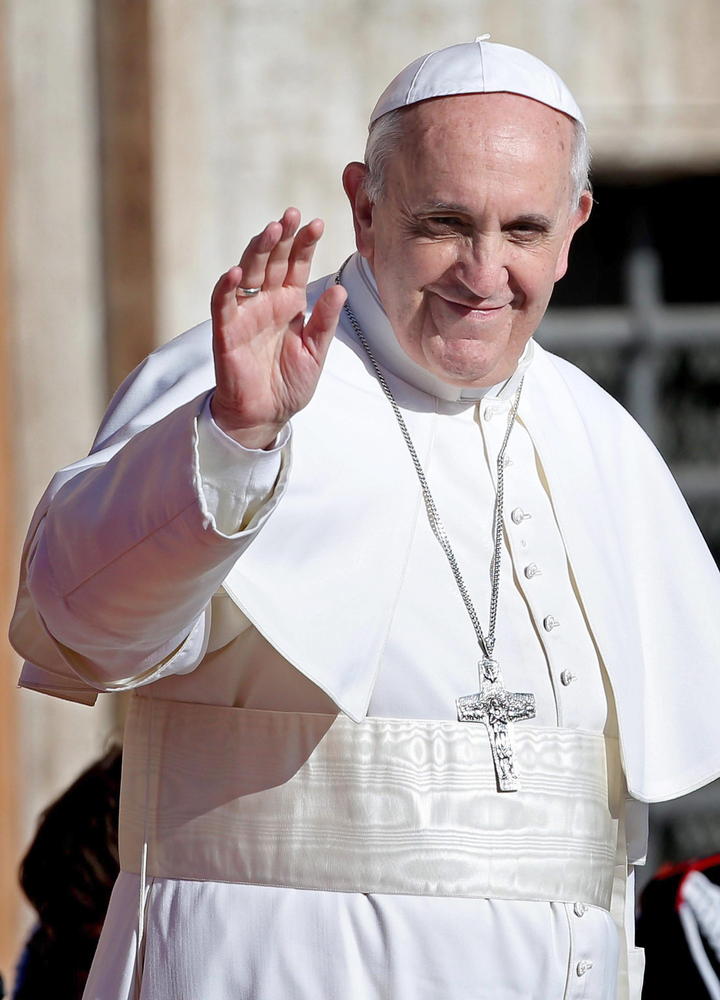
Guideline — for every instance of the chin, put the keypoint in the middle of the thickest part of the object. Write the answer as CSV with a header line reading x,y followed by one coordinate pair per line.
x,y
470,372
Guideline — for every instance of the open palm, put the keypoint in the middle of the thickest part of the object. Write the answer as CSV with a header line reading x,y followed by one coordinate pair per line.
x,y
267,358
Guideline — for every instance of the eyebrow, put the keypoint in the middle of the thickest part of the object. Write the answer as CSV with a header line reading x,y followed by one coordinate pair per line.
x,y
444,206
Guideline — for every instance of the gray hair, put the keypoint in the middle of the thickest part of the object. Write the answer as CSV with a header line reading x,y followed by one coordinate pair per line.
x,y
387,132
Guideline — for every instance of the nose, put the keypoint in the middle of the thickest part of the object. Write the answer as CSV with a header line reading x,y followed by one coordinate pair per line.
x,y
481,267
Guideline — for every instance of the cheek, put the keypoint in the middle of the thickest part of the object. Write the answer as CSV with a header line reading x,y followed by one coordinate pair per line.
x,y
417,262
537,279
403,276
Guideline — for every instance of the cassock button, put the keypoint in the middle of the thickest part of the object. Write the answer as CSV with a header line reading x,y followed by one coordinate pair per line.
x,y
579,909
519,515
550,622
583,966
531,570
489,413
567,677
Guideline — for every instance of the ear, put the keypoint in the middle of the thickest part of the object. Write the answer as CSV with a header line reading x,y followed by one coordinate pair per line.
x,y
362,208
578,218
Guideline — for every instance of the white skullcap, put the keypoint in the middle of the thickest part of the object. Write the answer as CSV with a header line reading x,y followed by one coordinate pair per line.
x,y
479,67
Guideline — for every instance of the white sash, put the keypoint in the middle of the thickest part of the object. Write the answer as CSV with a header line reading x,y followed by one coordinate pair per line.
x,y
383,806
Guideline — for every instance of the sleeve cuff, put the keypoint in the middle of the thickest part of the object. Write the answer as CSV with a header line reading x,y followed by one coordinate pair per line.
x,y
235,482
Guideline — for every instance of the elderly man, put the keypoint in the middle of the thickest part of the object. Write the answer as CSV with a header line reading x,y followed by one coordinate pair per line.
x,y
399,701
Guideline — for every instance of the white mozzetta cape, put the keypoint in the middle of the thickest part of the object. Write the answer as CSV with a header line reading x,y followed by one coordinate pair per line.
x,y
321,578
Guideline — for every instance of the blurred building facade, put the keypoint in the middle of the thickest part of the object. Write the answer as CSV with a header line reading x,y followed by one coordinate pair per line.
x,y
144,141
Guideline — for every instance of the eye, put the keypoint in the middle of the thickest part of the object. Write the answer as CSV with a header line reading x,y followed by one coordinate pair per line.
x,y
447,224
526,230
437,227
450,221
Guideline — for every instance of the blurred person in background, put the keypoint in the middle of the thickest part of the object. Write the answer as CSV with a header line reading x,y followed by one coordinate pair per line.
x,y
67,876
406,676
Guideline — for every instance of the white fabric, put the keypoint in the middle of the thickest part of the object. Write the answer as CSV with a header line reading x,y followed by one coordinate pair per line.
x,y
235,482
329,629
479,67
653,606
313,801
260,943
151,631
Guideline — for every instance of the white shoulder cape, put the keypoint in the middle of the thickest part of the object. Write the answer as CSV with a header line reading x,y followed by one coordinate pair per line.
x,y
321,577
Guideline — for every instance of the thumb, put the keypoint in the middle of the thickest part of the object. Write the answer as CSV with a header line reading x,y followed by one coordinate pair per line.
x,y
320,327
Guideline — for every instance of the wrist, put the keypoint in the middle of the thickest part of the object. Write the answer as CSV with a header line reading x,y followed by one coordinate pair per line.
x,y
254,436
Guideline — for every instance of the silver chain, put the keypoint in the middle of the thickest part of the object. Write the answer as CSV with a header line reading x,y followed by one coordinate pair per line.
x,y
486,642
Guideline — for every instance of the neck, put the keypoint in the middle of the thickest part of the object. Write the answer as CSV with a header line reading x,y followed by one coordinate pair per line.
x,y
364,300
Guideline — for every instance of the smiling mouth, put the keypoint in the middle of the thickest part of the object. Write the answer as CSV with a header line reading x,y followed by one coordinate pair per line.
x,y
480,312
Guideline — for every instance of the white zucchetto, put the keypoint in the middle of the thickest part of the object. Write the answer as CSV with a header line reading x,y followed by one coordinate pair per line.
x,y
479,67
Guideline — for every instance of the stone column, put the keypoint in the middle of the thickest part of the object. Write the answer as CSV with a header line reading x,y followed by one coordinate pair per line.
x,y
55,343
126,165
9,776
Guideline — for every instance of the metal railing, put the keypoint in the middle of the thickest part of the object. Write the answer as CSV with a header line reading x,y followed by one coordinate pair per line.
x,y
644,330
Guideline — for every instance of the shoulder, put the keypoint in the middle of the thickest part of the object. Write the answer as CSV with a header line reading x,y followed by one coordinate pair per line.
x,y
172,375
573,388
547,365
571,412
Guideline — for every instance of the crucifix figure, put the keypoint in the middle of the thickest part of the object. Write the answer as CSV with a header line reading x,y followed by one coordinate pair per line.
x,y
497,708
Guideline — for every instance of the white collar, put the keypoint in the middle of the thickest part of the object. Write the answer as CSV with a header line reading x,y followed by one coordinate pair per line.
x,y
364,300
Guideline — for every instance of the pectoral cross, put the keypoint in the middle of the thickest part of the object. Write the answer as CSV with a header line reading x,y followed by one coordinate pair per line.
x,y
497,708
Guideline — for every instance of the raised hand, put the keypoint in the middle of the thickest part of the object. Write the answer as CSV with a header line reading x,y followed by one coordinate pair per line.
x,y
267,358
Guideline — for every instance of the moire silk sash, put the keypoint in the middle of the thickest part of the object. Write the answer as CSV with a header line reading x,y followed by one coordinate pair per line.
x,y
384,806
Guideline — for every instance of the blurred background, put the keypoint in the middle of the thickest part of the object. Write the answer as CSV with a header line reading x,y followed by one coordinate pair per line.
x,y
143,141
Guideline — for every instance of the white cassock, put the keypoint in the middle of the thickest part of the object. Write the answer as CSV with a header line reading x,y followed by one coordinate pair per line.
x,y
287,853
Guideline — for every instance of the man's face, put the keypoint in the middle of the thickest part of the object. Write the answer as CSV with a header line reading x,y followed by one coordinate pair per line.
x,y
472,231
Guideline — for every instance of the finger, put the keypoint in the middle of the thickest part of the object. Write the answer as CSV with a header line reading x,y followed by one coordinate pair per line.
x,y
320,328
276,267
223,301
257,253
301,255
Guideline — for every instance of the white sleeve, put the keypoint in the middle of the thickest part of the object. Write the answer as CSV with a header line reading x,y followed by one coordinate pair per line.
x,y
124,562
235,482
